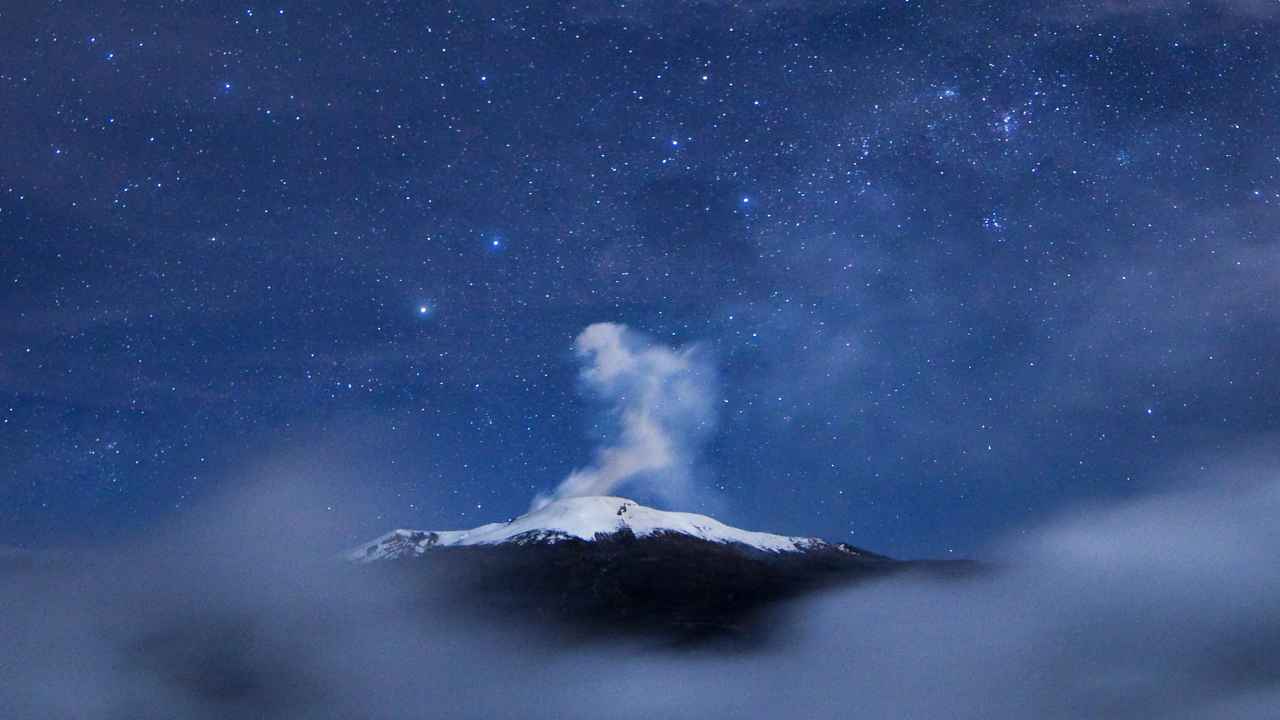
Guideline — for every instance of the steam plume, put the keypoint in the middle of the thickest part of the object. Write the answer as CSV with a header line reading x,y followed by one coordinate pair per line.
x,y
662,399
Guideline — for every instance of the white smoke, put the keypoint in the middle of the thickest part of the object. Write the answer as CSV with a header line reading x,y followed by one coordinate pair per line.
x,y
662,400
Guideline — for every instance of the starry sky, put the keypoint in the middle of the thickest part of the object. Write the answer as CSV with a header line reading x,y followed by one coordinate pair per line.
x,y
958,266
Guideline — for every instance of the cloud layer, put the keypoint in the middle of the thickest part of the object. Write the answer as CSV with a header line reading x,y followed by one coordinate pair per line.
x,y
662,401
1162,607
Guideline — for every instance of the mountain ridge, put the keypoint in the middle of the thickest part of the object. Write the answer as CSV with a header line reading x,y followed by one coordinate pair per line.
x,y
605,567
588,519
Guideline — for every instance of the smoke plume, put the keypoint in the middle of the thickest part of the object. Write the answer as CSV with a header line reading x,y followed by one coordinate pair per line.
x,y
661,400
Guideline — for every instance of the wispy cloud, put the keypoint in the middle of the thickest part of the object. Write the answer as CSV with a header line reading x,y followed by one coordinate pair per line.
x,y
1155,608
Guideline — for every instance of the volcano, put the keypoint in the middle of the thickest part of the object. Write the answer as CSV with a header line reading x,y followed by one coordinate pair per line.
x,y
609,565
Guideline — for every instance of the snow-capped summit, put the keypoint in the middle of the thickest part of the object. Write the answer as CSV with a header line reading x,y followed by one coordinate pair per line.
x,y
610,565
583,518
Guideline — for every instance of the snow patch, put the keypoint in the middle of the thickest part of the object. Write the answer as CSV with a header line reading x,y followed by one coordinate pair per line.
x,y
580,518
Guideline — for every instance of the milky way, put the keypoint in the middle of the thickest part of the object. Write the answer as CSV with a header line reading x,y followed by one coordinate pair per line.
x,y
957,265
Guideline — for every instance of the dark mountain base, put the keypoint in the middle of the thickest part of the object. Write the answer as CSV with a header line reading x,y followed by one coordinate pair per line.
x,y
672,588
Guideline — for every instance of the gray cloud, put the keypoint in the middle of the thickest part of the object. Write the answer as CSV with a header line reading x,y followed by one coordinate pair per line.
x,y
662,400
1162,607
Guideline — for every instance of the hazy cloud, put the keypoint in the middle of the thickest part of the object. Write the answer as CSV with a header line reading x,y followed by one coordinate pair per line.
x,y
1162,607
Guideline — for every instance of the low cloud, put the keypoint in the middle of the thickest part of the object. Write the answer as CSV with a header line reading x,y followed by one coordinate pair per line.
x,y
662,402
1162,607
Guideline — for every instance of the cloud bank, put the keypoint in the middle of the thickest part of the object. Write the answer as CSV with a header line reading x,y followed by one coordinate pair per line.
x,y
1163,607
662,401
1159,608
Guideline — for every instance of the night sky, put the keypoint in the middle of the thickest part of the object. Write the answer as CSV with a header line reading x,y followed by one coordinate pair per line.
x,y
958,266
